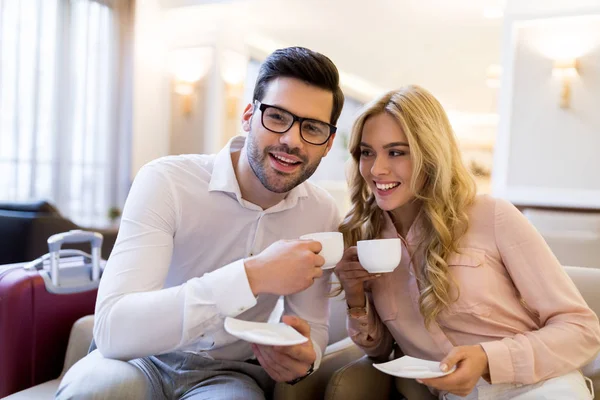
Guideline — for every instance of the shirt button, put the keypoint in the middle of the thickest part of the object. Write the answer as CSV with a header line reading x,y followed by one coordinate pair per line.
x,y
241,309
250,254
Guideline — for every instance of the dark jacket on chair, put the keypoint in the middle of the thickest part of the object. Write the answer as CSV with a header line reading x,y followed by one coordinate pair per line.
x,y
26,227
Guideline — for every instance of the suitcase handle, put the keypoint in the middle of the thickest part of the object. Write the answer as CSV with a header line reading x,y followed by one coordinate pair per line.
x,y
74,236
38,263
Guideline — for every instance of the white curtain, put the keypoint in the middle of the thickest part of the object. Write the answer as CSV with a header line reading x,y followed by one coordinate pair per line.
x,y
65,104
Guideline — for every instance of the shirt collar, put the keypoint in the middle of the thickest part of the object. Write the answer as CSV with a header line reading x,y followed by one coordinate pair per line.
x,y
388,230
223,178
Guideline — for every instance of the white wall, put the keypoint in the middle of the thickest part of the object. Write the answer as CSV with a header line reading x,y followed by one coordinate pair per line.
x,y
151,98
565,141
546,7
445,47
187,130
547,155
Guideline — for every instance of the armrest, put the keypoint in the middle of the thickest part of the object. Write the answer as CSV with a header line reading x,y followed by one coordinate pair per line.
x,y
413,390
592,371
79,341
336,356
359,380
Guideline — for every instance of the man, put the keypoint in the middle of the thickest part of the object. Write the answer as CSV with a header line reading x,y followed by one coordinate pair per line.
x,y
199,241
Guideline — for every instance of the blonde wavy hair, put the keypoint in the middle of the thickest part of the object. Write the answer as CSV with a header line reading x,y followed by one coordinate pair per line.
x,y
440,181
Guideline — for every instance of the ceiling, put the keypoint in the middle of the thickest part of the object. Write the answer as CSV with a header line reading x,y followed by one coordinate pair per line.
x,y
445,46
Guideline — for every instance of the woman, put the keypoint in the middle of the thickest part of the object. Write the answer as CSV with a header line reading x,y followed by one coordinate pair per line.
x,y
477,286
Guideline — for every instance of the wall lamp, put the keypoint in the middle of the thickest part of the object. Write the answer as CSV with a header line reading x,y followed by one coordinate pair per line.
x,y
566,70
188,67
233,72
493,74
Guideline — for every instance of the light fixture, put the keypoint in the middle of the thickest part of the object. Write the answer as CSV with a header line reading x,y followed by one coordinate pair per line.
x,y
233,67
492,76
565,69
189,66
359,87
493,9
493,13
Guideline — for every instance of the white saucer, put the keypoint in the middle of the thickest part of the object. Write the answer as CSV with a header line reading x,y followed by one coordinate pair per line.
x,y
410,367
264,333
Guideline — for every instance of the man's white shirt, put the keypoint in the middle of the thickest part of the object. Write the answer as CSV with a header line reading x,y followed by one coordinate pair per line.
x,y
176,270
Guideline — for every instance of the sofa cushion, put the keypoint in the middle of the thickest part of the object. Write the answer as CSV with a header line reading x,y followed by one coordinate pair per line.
x,y
44,391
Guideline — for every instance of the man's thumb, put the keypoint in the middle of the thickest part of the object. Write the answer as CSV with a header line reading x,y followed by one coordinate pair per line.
x,y
298,324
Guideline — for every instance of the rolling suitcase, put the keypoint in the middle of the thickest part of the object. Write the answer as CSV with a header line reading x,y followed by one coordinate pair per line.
x,y
39,302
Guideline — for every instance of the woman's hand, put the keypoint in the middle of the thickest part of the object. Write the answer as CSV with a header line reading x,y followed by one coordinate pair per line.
x,y
471,363
352,276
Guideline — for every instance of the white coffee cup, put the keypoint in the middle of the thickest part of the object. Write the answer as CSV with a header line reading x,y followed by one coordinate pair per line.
x,y
379,255
332,246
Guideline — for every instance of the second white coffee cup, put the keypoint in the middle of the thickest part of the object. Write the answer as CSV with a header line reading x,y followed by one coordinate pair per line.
x,y
379,255
332,246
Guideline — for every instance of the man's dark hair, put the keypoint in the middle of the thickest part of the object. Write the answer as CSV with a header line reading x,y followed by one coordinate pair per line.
x,y
305,65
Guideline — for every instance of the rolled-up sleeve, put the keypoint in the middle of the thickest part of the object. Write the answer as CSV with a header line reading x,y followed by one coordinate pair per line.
x,y
369,333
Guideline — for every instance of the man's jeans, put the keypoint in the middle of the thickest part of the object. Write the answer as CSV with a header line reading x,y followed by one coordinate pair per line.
x,y
177,375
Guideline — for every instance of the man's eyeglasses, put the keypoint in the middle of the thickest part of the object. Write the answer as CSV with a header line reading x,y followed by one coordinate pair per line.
x,y
278,120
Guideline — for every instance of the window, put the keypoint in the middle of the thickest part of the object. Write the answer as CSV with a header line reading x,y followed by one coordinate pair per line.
x,y
62,105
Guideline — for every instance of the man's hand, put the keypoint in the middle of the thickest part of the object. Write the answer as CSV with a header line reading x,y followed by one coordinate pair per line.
x,y
471,363
285,267
286,363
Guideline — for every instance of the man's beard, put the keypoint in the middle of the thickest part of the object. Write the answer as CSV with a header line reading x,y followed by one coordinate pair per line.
x,y
273,180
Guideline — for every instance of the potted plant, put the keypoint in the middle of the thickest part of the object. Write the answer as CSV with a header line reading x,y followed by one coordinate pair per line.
x,y
114,214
